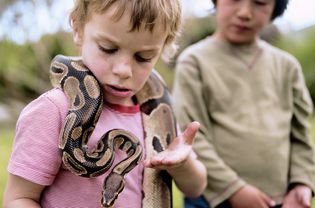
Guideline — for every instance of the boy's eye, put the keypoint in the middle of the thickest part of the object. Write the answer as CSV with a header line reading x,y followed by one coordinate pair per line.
x,y
108,50
141,59
260,3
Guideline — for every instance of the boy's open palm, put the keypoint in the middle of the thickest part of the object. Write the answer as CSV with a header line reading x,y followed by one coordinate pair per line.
x,y
177,152
249,197
298,197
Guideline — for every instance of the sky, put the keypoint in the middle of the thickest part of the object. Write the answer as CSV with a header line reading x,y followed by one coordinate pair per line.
x,y
33,24
299,15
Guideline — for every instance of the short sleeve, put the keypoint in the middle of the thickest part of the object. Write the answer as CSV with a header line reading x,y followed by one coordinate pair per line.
x,y
35,155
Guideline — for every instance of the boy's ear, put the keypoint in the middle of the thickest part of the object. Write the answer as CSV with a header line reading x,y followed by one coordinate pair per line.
x,y
76,34
77,38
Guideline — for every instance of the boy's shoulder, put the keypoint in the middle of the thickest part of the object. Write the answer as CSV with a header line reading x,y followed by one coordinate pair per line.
x,y
55,96
208,45
202,46
51,98
279,54
51,104
209,50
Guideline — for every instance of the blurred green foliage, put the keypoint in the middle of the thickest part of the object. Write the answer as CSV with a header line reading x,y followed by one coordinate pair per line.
x,y
6,141
24,68
302,45
194,30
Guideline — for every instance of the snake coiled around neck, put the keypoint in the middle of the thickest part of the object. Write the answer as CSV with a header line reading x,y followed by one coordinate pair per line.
x,y
85,100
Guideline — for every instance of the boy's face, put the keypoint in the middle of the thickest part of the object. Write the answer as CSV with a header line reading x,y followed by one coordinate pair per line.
x,y
240,21
121,60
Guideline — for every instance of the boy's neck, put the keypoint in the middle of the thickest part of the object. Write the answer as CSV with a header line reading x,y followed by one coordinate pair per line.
x,y
218,38
123,108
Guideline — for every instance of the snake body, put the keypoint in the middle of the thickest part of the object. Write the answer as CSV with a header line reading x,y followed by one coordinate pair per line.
x,y
85,105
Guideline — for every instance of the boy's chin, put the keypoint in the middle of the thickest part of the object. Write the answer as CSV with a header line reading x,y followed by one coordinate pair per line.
x,y
241,40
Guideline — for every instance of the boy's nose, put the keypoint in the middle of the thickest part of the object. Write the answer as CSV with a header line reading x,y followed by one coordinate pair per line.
x,y
245,11
123,70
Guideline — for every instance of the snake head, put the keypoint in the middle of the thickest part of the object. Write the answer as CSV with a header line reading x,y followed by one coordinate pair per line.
x,y
113,186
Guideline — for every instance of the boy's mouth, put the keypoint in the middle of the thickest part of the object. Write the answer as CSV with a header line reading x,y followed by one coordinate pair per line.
x,y
118,91
118,88
242,28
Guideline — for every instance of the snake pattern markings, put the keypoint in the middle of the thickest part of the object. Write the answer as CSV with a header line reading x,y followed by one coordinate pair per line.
x,y
85,100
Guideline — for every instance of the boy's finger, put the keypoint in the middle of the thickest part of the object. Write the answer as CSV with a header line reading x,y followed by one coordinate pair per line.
x,y
268,200
190,132
306,200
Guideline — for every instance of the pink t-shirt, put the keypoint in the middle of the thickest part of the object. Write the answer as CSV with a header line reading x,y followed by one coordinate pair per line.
x,y
36,156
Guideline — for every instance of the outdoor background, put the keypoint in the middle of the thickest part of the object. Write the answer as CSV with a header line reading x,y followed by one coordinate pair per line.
x,y
33,32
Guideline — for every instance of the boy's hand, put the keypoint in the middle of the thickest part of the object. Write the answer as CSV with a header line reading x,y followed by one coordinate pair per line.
x,y
249,197
177,152
298,197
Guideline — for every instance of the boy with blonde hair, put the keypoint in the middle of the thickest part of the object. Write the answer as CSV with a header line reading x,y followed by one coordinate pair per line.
x,y
119,42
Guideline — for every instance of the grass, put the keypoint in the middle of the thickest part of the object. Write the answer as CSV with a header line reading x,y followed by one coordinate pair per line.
x,y
313,136
6,137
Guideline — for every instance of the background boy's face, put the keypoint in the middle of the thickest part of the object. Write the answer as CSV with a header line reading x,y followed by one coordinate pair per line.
x,y
121,60
240,21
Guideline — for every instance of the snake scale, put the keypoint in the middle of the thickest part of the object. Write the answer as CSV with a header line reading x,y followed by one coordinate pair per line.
x,y
85,100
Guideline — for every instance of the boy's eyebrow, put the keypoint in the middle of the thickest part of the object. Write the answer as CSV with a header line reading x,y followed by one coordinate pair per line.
x,y
104,37
111,40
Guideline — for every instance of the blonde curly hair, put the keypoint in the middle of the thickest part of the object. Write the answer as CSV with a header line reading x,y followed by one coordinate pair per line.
x,y
144,13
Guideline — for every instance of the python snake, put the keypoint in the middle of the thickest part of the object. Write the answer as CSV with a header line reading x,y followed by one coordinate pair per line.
x,y
85,105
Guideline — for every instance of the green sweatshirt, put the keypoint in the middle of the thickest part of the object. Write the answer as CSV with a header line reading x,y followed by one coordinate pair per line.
x,y
253,107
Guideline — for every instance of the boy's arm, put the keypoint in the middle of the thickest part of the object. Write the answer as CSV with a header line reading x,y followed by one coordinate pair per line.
x,y
181,163
302,156
190,105
190,178
21,193
191,168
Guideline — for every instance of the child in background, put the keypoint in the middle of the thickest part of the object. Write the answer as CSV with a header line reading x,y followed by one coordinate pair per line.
x,y
120,42
253,106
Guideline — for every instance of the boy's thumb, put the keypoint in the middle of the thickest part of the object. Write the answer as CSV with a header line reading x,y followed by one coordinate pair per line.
x,y
190,132
306,200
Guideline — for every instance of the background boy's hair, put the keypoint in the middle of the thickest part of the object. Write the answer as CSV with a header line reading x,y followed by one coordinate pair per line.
x,y
280,7
143,13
